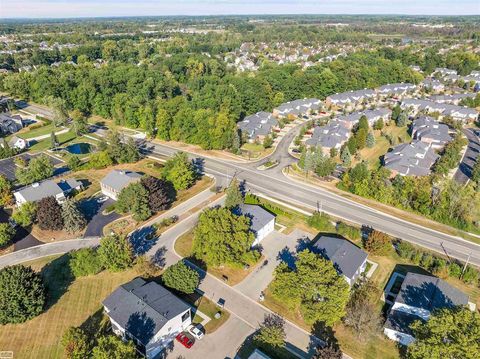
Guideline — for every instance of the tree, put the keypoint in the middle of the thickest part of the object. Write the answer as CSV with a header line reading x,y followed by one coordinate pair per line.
x,y
60,114
321,221
22,294
402,119
49,214
38,169
134,199
79,123
222,237
148,267
99,160
158,196
74,163
314,287
271,333
73,219
346,157
85,261
267,142
397,110
378,125
181,277
6,196
179,171
6,233
234,196
378,243
26,214
363,123
476,173
76,344
53,140
327,352
115,253
370,140
112,347
130,151
449,333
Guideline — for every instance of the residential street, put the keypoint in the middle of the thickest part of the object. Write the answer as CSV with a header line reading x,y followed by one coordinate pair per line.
x,y
464,171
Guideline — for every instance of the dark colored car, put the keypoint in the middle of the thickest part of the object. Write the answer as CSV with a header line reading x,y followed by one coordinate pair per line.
x,y
184,340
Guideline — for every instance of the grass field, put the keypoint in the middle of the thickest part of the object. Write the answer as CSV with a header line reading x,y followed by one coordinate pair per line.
x,y
70,303
63,139
40,131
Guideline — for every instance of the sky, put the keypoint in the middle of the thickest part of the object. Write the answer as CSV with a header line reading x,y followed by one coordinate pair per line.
x,y
103,8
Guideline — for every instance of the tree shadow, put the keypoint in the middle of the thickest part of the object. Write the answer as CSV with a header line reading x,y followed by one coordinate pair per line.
x,y
90,207
57,276
199,165
303,243
96,324
326,335
287,256
159,258
141,327
143,239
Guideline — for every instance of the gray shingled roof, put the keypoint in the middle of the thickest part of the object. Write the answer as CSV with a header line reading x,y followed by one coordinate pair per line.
x,y
369,114
400,321
259,216
334,134
143,308
426,127
119,179
411,159
259,124
429,293
352,96
298,107
346,256
38,191
398,88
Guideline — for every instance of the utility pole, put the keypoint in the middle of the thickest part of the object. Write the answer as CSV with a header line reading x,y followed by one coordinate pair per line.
x,y
466,264
449,259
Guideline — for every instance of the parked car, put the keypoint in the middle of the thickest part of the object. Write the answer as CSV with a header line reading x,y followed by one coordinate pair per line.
x,y
196,331
184,340
221,303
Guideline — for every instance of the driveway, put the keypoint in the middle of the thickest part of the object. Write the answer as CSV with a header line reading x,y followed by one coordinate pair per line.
x,y
8,166
464,172
277,247
96,219
223,343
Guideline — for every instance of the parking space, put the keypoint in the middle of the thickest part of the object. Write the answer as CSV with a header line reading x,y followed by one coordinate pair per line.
x,y
223,343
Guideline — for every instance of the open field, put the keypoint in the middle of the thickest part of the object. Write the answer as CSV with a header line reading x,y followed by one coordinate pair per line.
x,y
71,303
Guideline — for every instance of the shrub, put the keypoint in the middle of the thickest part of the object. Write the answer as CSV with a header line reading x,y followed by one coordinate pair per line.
x,y
378,243
85,262
470,276
427,260
350,232
6,233
180,277
454,270
25,215
320,221
116,253
405,250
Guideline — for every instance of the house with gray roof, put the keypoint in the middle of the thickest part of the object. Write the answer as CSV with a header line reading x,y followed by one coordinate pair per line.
x,y
262,221
148,314
418,297
258,126
332,135
458,113
442,72
350,99
411,159
49,188
297,108
350,120
349,260
429,130
453,99
113,183
396,90
431,84
10,123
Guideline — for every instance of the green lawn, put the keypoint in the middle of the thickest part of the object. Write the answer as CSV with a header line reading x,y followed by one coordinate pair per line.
x,y
63,139
44,130
71,303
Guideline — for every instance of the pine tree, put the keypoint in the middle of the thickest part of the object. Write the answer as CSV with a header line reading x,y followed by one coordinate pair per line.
x,y
73,219
234,196
346,157
370,140
53,140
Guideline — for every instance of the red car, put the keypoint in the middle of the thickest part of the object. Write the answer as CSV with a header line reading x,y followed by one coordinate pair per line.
x,y
184,340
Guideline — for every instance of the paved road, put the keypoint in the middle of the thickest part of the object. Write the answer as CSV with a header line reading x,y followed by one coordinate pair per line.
x,y
464,171
34,109
274,184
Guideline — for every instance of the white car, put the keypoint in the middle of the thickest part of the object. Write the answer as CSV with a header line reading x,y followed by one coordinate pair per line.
x,y
196,331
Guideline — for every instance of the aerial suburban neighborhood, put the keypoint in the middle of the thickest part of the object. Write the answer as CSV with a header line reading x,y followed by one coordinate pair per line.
x,y
205,185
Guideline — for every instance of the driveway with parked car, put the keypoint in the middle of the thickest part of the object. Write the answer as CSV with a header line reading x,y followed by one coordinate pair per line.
x,y
93,209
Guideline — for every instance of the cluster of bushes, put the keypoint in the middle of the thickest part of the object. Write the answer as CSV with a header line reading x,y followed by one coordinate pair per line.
x,y
321,221
350,232
451,155
252,199
436,264
50,215
37,169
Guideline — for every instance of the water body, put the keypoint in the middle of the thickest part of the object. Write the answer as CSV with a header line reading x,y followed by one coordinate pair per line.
x,y
79,148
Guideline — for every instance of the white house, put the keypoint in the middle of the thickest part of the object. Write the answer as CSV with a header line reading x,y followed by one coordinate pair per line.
x,y
113,183
263,222
349,260
419,295
148,314
40,190
15,142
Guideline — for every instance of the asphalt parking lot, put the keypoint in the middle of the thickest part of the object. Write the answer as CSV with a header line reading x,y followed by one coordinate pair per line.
x,y
8,167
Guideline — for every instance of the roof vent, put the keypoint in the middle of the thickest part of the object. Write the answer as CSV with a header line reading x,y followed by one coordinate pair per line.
x,y
122,172
35,185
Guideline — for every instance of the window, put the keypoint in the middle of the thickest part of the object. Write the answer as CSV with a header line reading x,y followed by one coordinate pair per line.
x,y
186,316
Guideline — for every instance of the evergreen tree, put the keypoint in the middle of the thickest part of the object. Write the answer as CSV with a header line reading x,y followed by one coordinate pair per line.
x,y
73,219
370,140
346,157
134,199
6,233
6,195
234,196
53,140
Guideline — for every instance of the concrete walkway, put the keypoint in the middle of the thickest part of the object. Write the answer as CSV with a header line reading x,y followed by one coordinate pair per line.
x,y
42,137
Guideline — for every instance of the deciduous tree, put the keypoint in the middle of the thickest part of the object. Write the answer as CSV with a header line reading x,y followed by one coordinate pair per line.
x,y
158,196
134,199
76,343
116,253
179,171
271,333
181,277
234,196
85,261
49,214
112,347
26,214
6,233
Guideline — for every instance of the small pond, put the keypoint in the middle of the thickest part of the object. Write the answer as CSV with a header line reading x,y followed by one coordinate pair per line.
x,y
79,148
